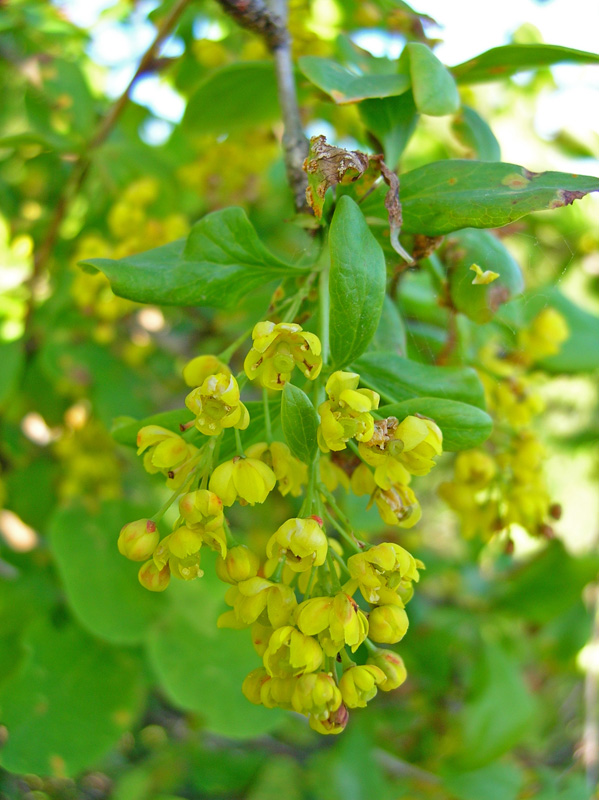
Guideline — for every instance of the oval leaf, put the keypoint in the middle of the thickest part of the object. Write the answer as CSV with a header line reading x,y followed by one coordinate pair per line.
x,y
464,426
434,88
299,421
479,301
397,379
356,284
222,260
347,87
475,134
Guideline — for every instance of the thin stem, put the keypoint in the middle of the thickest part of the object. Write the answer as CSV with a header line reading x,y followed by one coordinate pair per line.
x,y
267,423
299,298
340,561
323,316
342,532
238,443
336,585
228,352
164,508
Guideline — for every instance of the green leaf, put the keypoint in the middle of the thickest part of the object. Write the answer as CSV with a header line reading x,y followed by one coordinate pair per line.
x,y
356,283
392,121
300,423
69,704
397,379
579,353
479,302
390,335
221,262
201,667
546,585
233,98
348,87
501,62
445,196
102,586
12,358
464,426
434,88
501,712
474,133
494,782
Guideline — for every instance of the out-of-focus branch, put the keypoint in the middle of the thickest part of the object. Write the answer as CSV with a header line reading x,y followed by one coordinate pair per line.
x,y
80,168
402,769
271,24
590,737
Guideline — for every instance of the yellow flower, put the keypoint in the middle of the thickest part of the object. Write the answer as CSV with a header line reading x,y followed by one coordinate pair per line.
x,y
303,543
277,692
258,599
398,505
392,667
239,564
277,349
248,479
414,443
545,335
512,399
335,722
316,694
202,509
152,578
475,468
385,566
137,540
261,637
388,624
290,472
290,652
359,685
332,475
345,415
340,616
217,405
166,452
483,278
252,685
201,367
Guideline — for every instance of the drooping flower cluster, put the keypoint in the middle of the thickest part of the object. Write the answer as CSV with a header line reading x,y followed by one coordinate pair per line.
x,y
316,606
503,484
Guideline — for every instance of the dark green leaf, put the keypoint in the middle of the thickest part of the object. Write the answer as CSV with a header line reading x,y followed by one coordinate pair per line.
x,y
348,87
202,667
501,62
300,423
479,302
501,712
474,133
435,90
392,121
69,704
445,196
356,283
545,586
101,585
494,782
222,260
397,379
250,89
390,335
464,426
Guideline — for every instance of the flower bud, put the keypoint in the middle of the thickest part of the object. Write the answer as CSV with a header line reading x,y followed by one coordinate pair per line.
x,y
358,685
152,578
137,540
302,541
316,694
253,683
199,368
248,479
334,724
392,666
239,564
290,652
388,624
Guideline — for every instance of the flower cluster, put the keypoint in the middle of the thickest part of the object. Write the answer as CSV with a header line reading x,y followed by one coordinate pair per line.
x,y
317,606
504,485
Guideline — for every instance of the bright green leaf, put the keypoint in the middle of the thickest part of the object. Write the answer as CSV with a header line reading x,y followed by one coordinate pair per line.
x,y
348,87
480,301
475,134
101,585
221,262
356,283
397,379
501,62
392,121
463,426
434,88
300,423
69,704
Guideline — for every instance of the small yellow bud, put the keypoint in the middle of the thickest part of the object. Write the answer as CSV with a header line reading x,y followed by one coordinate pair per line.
x,y
290,652
302,542
202,367
316,694
137,540
239,564
388,624
359,685
252,685
152,578
248,479
392,666
335,722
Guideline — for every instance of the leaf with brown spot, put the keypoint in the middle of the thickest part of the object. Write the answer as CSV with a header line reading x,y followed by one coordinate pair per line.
x,y
326,166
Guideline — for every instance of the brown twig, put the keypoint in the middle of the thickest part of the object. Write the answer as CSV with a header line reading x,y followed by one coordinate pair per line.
x,y
272,26
590,738
402,769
